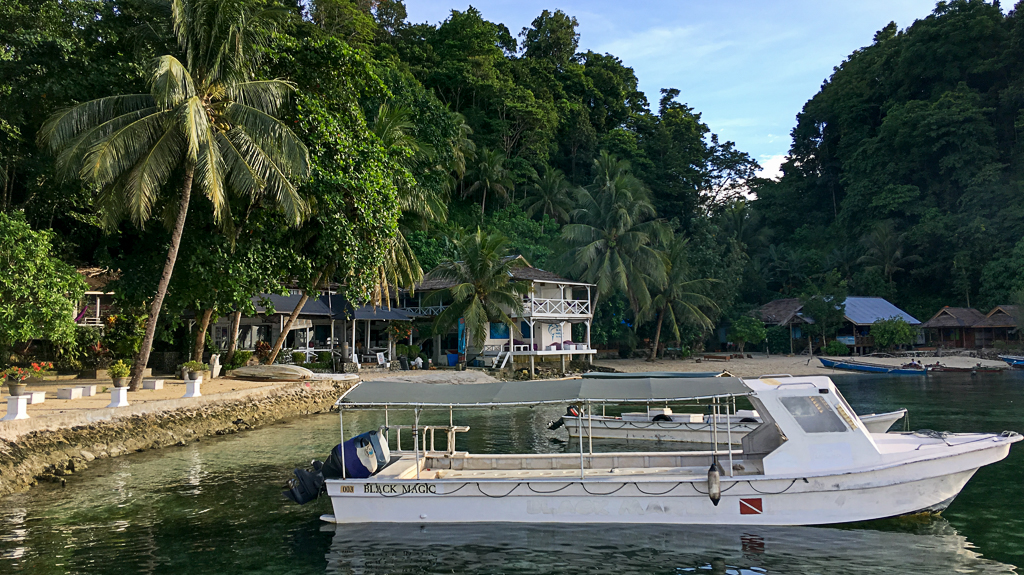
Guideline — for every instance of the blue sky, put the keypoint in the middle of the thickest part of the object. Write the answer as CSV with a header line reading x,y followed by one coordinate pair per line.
x,y
748,66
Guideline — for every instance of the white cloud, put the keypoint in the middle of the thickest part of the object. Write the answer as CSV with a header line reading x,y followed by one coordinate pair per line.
x,y
771,166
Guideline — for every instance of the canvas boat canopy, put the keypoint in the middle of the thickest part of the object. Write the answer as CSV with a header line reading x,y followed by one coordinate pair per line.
x,y
507,393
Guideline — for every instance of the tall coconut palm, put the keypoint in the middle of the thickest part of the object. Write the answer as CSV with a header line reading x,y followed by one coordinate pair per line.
x,y
549,194
206,122
885,251
483,289
684,299
613,235
489,175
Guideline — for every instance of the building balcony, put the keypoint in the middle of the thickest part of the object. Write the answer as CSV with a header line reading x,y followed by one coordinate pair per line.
x,y
425,310
541,307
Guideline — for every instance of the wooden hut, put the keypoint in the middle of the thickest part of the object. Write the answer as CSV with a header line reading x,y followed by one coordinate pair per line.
x,y
955,327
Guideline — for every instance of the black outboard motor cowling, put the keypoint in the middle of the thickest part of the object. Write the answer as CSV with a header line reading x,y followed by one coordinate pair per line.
x,y
306,485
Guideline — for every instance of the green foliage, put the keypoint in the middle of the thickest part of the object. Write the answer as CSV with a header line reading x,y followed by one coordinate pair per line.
x,y
123,333
195,366
835,347
891,332
38,292
240,358
778,339
482,290
298,357
746,329
119,368
825,302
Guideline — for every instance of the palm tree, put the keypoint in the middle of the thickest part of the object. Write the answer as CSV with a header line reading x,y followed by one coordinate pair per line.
x,y
683,300
206,120
483,289
613,234
744,225
488,174
463,148
549,194
885,251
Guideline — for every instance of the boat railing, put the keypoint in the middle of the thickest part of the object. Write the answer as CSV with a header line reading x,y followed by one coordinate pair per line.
x,y
426,435
776,375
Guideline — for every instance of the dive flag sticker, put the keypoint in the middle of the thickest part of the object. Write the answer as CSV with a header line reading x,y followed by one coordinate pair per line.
x,y
751,506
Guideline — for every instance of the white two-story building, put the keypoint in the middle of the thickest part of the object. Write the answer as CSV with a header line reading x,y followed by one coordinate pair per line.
x,y
552,307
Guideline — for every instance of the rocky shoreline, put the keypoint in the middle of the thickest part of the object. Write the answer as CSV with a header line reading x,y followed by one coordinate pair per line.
x,y
53,448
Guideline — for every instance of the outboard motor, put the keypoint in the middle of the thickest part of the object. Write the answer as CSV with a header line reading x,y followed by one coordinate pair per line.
x,y
365,455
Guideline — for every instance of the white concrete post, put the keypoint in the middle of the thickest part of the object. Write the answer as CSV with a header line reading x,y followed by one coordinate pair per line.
x,y
192,387
118,397
17,408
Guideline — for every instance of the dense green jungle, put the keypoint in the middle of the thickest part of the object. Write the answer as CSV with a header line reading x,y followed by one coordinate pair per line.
x,y
903,180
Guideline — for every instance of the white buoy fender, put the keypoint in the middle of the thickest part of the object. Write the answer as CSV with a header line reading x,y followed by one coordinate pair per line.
x,y
714,484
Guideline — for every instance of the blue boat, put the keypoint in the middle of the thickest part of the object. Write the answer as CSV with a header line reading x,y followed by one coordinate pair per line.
x,y
1013,360
870,367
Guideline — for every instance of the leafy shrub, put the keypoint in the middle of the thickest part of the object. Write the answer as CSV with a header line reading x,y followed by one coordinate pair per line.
x,y
263,350
124,332
889,333
119,368
778,339
298,357
240,358
746,329
835,347
324,357
196,366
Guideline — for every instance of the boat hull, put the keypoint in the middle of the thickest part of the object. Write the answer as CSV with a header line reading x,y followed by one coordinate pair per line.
x,y
869,368
926,484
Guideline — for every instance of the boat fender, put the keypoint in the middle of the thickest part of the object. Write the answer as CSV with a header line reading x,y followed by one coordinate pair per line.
x,y
748,420
714,485
661,417
572,411
556,424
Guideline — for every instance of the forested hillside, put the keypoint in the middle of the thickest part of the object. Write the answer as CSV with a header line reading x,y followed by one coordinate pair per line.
x,y
905,172
903,178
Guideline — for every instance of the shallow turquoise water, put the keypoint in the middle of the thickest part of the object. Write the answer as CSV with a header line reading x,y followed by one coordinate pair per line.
x,y
216,507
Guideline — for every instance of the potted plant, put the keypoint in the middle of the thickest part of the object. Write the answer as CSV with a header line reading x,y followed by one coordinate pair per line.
x,y
195,368
15,377
119,371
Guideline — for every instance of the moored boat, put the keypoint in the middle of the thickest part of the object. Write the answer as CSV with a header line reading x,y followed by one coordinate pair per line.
x,y
811,462
664,425
865,367
1014,360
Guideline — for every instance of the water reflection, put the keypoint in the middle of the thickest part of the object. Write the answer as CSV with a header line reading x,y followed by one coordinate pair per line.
x,y
622,550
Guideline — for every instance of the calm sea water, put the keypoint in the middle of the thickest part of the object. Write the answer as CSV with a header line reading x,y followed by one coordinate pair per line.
x,y
216,507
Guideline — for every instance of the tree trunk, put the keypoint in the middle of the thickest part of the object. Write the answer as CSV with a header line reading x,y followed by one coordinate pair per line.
x,y
142,358
483,202
291,319
236,320
204,325
657,334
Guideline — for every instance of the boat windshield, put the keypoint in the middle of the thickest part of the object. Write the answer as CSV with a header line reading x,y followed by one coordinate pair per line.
x,y
813,414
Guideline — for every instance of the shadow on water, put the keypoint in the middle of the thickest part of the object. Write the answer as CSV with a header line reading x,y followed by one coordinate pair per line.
x,y
216,507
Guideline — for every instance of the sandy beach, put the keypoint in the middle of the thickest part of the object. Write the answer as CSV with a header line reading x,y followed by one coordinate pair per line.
x,y
760,365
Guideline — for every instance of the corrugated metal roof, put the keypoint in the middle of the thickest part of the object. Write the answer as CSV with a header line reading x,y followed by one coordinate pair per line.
x,y
868,310
286,303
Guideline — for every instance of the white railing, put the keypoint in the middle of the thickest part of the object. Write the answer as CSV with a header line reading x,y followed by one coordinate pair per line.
x,y
426,310
557,307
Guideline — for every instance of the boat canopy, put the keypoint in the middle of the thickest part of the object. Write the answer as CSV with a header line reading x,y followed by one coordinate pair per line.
x,y
639,388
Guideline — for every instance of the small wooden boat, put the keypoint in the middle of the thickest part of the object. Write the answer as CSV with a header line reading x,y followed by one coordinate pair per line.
x,y
938,367
854,365
1014,360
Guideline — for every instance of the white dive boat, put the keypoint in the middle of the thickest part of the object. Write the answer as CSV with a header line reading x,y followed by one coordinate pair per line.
x,y
662,424
810,462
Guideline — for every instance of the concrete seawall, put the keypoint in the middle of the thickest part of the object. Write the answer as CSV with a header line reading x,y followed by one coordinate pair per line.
x,y
53,447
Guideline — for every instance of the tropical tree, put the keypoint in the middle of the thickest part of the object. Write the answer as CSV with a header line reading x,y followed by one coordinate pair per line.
x,y
489,175
483,290
38,292
891,332
613,236
549,194
205,120
684,299
746,329
885,251
463,148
